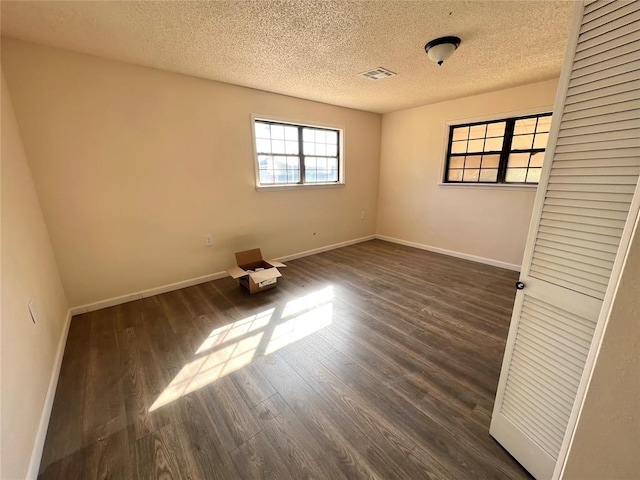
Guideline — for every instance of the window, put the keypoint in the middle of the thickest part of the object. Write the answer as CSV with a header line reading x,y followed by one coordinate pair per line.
x,y
509,151
289,154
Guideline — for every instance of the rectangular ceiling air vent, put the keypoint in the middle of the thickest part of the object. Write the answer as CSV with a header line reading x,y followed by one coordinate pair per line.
x,y
378,73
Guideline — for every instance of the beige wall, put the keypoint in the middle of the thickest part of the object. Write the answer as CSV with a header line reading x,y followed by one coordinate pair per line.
x,y
486,222
134,166
29,272
607,440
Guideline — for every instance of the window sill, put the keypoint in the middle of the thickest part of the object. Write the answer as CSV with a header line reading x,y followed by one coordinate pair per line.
x,y
491,186
266,188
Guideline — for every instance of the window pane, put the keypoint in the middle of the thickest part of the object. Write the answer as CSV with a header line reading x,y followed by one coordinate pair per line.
x,y
332,163
516,175
455,175
470,175
280,176
544,124
310,176
321,149
265,162
472,162
490,161
496,129
456,162
322,163
310,163
477,131
541,140
321,136
488,175
278,146
476,145
493,144
332,150
293,163
291,133
277,132
291,147
263,146
280,163
518,160
333,175
332,138
262,130
525,125
308,135
309,148
459,147
460,133
293,176
266,176
536,159
533,175
522,142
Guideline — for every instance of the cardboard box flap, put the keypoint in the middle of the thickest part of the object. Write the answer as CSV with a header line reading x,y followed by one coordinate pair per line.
x,y
273,263
248,257
236,272
263,275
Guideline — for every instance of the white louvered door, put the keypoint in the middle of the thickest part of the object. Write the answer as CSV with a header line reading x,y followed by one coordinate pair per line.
x,y
586,204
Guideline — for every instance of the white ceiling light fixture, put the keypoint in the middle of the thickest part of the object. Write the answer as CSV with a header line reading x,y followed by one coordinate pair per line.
x,y
441,48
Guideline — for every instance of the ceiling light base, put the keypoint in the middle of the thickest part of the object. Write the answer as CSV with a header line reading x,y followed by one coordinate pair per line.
x,y
441,48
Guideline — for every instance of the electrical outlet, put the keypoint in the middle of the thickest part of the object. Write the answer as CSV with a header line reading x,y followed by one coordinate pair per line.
x,y
32,310
208,240
362,215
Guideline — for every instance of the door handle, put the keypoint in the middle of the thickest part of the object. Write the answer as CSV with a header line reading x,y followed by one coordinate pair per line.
x,y
520,285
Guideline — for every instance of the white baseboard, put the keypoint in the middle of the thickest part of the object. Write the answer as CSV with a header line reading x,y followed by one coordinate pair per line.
x,y
110,302
41,434
465,256
308,253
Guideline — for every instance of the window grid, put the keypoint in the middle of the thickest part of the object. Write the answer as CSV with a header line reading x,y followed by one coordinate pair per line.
x,y
289,154
508,150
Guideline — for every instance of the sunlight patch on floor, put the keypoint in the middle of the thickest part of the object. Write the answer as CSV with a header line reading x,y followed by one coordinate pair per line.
x,y
234,346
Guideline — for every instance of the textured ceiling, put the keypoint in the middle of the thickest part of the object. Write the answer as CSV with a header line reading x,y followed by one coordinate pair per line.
x,y
315,49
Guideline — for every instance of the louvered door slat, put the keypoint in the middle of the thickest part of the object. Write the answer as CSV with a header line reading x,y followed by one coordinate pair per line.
x,y
610,125
605,14
582,227
599,48
531,368
600,119
621,26
585,114
595,162
605,56
598,102
571,137
614,89
630,143
587,84
582,259
569,248
630,59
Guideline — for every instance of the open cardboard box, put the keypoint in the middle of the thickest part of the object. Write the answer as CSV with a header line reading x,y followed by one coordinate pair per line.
x,y
254,273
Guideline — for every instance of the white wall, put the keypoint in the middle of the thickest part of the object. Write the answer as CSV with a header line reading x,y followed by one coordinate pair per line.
x,y
489,222
606,444
29,272
134,166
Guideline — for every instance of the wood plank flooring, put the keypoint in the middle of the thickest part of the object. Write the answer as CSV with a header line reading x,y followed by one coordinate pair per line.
x,y
374,361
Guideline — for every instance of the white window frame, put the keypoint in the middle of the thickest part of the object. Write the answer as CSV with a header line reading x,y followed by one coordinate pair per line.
x,y
298,123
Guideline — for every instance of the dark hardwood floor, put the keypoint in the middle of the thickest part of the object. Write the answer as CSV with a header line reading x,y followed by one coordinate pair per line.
x,y
372,361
